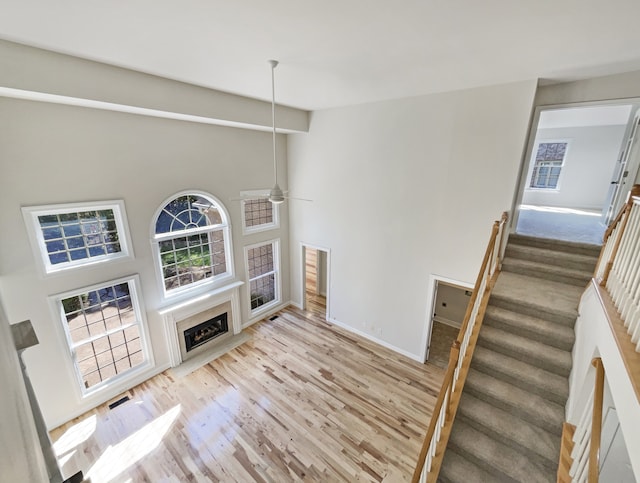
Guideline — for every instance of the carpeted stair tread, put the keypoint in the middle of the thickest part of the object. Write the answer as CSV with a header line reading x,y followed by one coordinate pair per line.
x,y
538,297
576,261
548,332
549,358
557,245
503,463
534,442
525,376
514,400
456,469
546,271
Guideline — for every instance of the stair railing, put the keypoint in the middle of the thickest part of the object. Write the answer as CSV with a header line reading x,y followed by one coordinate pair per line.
x,y
619,266
444,411
587,436
612,238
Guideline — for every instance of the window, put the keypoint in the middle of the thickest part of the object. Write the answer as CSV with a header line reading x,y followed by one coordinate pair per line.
x,y
548,163
263,267
105,331
192,236
78,234
258,214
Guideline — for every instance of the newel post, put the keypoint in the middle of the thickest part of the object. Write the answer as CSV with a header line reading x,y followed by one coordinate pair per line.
x,y
596,422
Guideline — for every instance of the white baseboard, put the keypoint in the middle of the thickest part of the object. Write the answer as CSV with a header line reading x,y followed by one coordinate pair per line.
x,y
295,304
266,314
370,337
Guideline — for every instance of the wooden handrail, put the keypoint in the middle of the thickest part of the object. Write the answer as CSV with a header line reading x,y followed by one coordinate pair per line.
x,y
487,256
635,191
448,394
447,382
596,422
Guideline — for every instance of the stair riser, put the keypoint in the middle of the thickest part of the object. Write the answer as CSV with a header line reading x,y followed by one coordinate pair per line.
x,y
513,251
531,454
592,251
540,272
563,343
536,360
554,427
560,398
455,469
480,463
513,306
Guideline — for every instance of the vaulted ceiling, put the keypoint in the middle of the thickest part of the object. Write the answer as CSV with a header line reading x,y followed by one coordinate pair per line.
x,y
337,52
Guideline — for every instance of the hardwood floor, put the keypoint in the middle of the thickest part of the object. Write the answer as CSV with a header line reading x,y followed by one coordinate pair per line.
x,y
302,401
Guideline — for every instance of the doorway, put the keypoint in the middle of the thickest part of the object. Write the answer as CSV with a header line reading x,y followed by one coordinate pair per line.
x,y
315,280
448,308
574,154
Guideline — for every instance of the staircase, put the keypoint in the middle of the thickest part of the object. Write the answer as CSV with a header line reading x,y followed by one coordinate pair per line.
x,y
509,422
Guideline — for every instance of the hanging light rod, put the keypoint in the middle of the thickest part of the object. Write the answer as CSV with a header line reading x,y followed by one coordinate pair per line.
x,y
276,195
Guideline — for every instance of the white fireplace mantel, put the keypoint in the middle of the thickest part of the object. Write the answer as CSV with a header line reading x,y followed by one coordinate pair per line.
x,y
173,314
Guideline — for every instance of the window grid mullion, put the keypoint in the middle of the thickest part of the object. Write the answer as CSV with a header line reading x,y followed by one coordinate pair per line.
x,y
122,328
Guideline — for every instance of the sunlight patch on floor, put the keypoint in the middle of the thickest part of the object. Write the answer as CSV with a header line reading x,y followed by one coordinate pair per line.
x,y
555,209
75,436
129,451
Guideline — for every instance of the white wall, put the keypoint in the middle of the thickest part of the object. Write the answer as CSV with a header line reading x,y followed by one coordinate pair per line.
x,y
54,153
20,453
595,339
451,304
404,189
586,174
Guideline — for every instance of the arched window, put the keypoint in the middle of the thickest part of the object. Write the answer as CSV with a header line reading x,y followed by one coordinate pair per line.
x,y
193,242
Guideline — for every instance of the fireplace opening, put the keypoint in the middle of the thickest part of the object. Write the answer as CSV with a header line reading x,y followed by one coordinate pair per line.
x,y
205,331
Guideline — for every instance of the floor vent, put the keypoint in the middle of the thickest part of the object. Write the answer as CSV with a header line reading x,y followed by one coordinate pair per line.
x,y
274,317
117,403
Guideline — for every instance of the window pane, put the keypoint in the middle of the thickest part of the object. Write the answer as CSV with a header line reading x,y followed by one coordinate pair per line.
x,y
103,326
186,212
262,290
188,259
260,260
76,236
258,212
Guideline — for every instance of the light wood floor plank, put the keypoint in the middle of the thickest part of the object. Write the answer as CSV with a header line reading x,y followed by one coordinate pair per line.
x,y
301,401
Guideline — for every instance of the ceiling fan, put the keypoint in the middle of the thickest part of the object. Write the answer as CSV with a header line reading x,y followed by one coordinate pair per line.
x,y
276,195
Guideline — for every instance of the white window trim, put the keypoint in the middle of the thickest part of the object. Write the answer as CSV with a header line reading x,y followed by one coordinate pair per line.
x,y
39,247
197,288
119,382
254,195
276,270
533,165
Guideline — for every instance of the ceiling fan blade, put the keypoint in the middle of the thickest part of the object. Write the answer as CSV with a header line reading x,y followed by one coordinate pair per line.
x,y
298,199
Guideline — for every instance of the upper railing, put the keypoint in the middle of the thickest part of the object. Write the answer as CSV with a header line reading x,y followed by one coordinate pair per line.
x,y
446,406
619,266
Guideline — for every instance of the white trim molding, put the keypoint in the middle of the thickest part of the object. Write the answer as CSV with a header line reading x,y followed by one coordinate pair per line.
x,y
175,313
81,237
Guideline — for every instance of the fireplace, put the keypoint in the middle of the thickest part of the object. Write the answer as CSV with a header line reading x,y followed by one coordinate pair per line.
x,y
205,331
200,325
